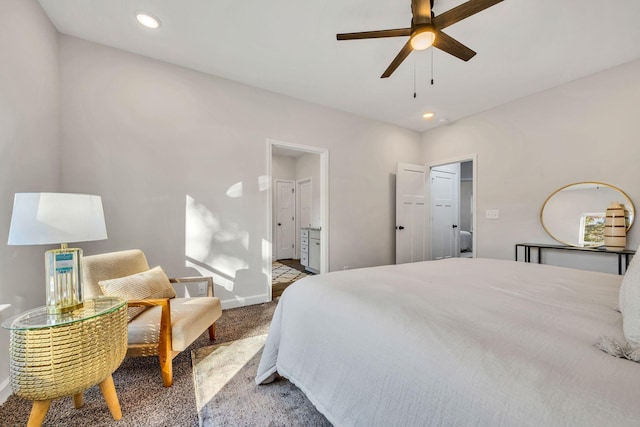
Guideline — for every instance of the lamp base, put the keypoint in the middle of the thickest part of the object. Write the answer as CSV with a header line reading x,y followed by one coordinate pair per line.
x,y
64,288
63,309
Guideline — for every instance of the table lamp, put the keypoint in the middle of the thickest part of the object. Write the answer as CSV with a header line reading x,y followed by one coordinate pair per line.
x,y
52,218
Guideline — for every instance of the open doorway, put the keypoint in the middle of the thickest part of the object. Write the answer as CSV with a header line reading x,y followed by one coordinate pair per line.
x,y
452,193
298,212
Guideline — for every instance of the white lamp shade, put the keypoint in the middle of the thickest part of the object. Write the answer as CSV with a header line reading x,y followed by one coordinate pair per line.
x,y
54,218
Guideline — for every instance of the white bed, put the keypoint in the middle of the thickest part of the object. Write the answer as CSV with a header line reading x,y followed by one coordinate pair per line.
x,y
455,342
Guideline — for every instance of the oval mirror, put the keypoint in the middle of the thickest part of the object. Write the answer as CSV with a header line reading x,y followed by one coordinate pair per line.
x,y
574,214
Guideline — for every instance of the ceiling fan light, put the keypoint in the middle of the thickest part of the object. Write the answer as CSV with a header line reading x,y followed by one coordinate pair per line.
x,y
428,115
422,40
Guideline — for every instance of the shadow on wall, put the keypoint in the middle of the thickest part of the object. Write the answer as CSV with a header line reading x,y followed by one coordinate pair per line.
x,y
222,250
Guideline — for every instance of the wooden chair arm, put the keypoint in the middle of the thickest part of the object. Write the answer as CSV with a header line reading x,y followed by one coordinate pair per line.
x,y
209,281
164,344
151,302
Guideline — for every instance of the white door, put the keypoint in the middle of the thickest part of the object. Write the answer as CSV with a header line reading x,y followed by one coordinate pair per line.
x,y
285,219
411,215
445,214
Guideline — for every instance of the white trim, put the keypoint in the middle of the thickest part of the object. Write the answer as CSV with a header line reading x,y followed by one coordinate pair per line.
x,y
244,301
324,200
5,390
473,158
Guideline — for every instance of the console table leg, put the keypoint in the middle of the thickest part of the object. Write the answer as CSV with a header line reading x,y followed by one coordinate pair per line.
x,y
108,390
38,412
619,263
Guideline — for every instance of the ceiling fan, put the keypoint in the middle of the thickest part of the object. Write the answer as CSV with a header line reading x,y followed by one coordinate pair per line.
x,y
426,30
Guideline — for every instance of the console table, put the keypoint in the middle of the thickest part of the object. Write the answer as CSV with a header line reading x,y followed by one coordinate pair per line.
x,y
622,255
56,355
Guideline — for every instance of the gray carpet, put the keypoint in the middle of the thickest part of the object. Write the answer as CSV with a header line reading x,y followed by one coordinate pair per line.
x,y
144,401
226,393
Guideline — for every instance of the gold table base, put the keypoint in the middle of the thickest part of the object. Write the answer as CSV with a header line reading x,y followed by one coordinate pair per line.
x,y
52,362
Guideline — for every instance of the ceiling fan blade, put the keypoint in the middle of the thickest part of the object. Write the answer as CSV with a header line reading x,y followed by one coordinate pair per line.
x,y
404,52
375,34
461,12
421,11
452,46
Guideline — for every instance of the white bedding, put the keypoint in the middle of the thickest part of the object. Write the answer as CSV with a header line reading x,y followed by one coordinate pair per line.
x,y
455,342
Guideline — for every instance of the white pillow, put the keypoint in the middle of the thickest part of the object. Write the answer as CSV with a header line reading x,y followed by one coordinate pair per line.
x,y
153,283
629,299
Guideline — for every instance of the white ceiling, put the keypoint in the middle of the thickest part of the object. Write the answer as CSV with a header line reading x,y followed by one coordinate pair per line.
x,y
290,47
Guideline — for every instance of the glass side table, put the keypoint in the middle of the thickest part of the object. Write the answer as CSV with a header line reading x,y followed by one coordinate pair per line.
x,y
53,356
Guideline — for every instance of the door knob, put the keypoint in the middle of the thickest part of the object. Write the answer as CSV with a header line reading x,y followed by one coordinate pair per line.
x,y
279,224
454,226
400,228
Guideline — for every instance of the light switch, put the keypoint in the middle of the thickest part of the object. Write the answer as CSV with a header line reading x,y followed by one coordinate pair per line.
x,y
492,214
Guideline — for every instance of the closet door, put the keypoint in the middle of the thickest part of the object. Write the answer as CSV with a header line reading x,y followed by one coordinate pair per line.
x,y
285,219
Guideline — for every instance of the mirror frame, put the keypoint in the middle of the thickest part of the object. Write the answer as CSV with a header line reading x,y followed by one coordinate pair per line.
x,y
628,204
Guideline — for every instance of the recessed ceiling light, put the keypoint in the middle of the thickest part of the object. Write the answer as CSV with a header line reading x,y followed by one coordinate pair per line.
x,y
428,115
148,20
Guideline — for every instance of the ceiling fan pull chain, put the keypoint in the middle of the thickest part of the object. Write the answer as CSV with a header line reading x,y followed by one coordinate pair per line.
x,y
432,66
414,76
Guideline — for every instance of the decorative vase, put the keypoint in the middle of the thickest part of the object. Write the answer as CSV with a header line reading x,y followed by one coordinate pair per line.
x,y
615,228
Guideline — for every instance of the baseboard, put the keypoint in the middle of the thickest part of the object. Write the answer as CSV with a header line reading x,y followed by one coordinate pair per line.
x,y
241,302
5,391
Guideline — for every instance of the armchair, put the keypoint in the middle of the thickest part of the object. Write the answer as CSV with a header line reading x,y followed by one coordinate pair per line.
x,y
167,325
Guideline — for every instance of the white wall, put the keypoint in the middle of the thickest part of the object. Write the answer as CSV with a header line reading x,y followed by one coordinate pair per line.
x,y
586,130
180,160
29,149
466,195
283,167
308,166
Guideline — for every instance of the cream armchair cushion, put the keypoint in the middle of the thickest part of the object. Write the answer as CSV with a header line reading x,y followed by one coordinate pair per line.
x,y
190,317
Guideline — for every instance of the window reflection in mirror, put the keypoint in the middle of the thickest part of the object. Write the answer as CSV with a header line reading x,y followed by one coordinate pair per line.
x,y
574,214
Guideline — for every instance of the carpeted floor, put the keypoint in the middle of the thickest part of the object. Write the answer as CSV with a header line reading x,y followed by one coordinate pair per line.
x,y
227,395
144,401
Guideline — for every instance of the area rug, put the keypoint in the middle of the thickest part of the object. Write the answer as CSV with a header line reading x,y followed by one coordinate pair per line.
x,y
282,273
227,395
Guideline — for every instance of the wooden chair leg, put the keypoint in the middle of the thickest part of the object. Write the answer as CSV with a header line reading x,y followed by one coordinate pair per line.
x,y
108,390
166,369
77,400
212,332
165,348
38,412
